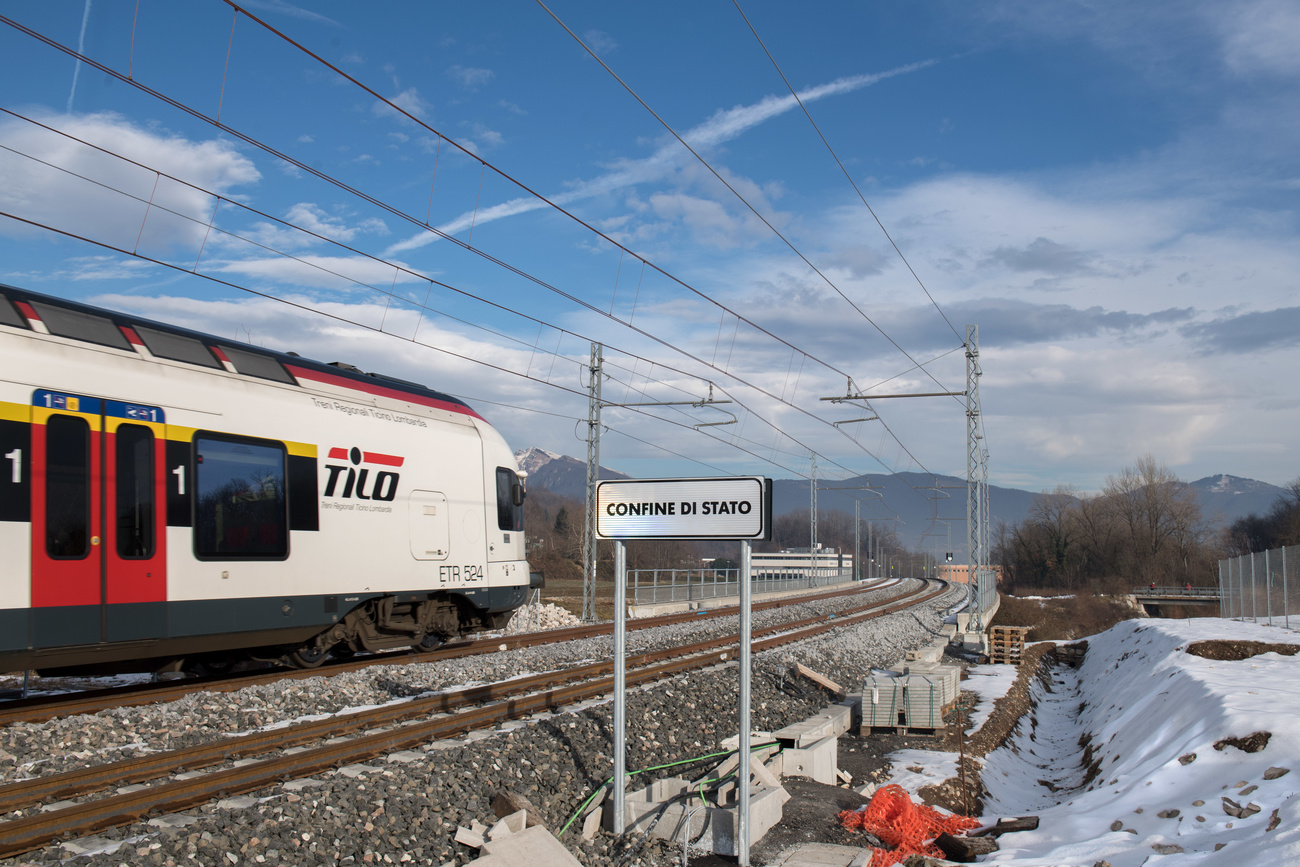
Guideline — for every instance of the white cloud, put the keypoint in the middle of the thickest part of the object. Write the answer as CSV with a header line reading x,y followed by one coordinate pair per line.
x,y
117,202
471,78
409,101
1262,37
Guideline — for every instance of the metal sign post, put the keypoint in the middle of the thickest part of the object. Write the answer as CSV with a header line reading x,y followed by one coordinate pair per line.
x,y
620,685
746,628
737,508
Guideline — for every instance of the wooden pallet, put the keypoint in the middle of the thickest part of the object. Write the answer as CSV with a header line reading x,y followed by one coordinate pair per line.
x,y
1007,644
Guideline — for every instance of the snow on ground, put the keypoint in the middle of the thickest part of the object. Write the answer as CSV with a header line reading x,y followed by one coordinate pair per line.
x,y
1153,786
990,683
913,769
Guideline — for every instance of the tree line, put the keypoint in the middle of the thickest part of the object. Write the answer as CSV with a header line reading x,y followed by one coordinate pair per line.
x,y
1144,526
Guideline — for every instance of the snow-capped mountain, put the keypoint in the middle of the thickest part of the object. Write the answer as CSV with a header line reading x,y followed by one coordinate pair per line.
x,y
559,474
1226,498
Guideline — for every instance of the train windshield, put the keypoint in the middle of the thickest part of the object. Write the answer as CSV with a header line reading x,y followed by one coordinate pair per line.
x,y
510,500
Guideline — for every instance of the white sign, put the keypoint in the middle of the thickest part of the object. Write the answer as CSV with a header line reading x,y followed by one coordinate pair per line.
x,y
718,508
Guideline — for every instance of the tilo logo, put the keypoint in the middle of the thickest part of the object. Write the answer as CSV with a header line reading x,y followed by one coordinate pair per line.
x,y
384,486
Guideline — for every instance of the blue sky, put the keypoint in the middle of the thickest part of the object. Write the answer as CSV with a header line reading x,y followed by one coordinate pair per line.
x,y
1108,190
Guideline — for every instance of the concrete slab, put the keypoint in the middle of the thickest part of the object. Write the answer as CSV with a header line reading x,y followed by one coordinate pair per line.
x,y
821,855
534,846
833,721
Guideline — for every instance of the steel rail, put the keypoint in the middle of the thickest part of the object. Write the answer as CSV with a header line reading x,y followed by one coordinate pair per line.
x,y
27,833
48,707
26,793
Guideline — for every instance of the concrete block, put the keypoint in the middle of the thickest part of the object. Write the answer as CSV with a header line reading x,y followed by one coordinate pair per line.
x,y
818,762
534,846
591,825
712,827
507,825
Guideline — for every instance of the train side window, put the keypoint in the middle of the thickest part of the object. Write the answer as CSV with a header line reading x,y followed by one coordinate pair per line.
x,y
81,326
240,502
67,487
510,500
254,364
177,347
134,499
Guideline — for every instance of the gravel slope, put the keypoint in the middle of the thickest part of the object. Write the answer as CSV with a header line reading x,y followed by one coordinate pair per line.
x,y
406,809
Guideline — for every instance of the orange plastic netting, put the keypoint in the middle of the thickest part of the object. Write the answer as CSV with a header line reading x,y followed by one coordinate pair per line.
x,y
909,828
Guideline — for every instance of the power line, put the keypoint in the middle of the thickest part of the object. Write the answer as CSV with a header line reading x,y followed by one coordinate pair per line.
x,y
716,174
500,263
847,176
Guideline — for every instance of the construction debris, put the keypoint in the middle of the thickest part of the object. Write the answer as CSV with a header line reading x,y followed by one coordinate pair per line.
x,y
506,802
1006,826
892,817
509,843
820,680
965,849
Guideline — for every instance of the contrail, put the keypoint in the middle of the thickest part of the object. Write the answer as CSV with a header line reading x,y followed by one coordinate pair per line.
x,y
723,126
81,49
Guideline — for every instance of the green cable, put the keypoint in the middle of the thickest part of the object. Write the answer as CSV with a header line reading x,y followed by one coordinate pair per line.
x,y
583,806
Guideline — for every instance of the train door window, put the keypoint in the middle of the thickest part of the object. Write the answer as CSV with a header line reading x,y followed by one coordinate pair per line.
x,y
240,508
510,500
67,487
134,495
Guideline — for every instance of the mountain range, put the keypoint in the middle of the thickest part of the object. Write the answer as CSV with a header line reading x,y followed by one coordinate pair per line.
x,y
929,511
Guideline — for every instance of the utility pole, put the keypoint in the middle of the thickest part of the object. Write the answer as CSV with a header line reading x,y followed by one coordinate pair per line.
x,y
812,545
593,474
857,539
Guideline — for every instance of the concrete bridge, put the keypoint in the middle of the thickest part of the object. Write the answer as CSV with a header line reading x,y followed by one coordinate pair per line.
x,y
1153,596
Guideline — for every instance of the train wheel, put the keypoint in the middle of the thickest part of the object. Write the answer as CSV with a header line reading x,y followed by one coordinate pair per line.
x,y
309,657
430,641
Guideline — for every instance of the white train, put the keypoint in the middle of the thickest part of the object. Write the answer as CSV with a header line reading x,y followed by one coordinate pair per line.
x,y
170,498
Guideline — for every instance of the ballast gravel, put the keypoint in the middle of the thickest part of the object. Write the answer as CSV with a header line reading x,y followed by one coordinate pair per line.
x,y
405,809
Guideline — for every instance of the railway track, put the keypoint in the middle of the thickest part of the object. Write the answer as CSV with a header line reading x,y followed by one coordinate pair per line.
x,y
436,717
42,708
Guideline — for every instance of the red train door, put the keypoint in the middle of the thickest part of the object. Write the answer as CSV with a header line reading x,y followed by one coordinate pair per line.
x,y
98,541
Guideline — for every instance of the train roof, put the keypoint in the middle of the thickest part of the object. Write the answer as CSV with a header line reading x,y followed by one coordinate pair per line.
x,y
34,311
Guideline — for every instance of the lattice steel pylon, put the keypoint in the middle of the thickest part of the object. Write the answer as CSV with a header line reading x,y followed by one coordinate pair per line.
x,y
976,483
593,474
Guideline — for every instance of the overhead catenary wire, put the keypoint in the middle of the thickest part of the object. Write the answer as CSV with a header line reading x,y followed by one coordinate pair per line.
x,y
464,245
209,227
847,175
718,175
193,270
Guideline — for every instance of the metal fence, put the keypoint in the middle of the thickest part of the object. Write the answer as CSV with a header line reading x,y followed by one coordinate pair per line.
x,y
986,589
1259,586
647,586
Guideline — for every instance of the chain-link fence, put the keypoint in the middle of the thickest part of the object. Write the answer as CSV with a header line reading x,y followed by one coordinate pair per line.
x,y
1262,587
647,586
